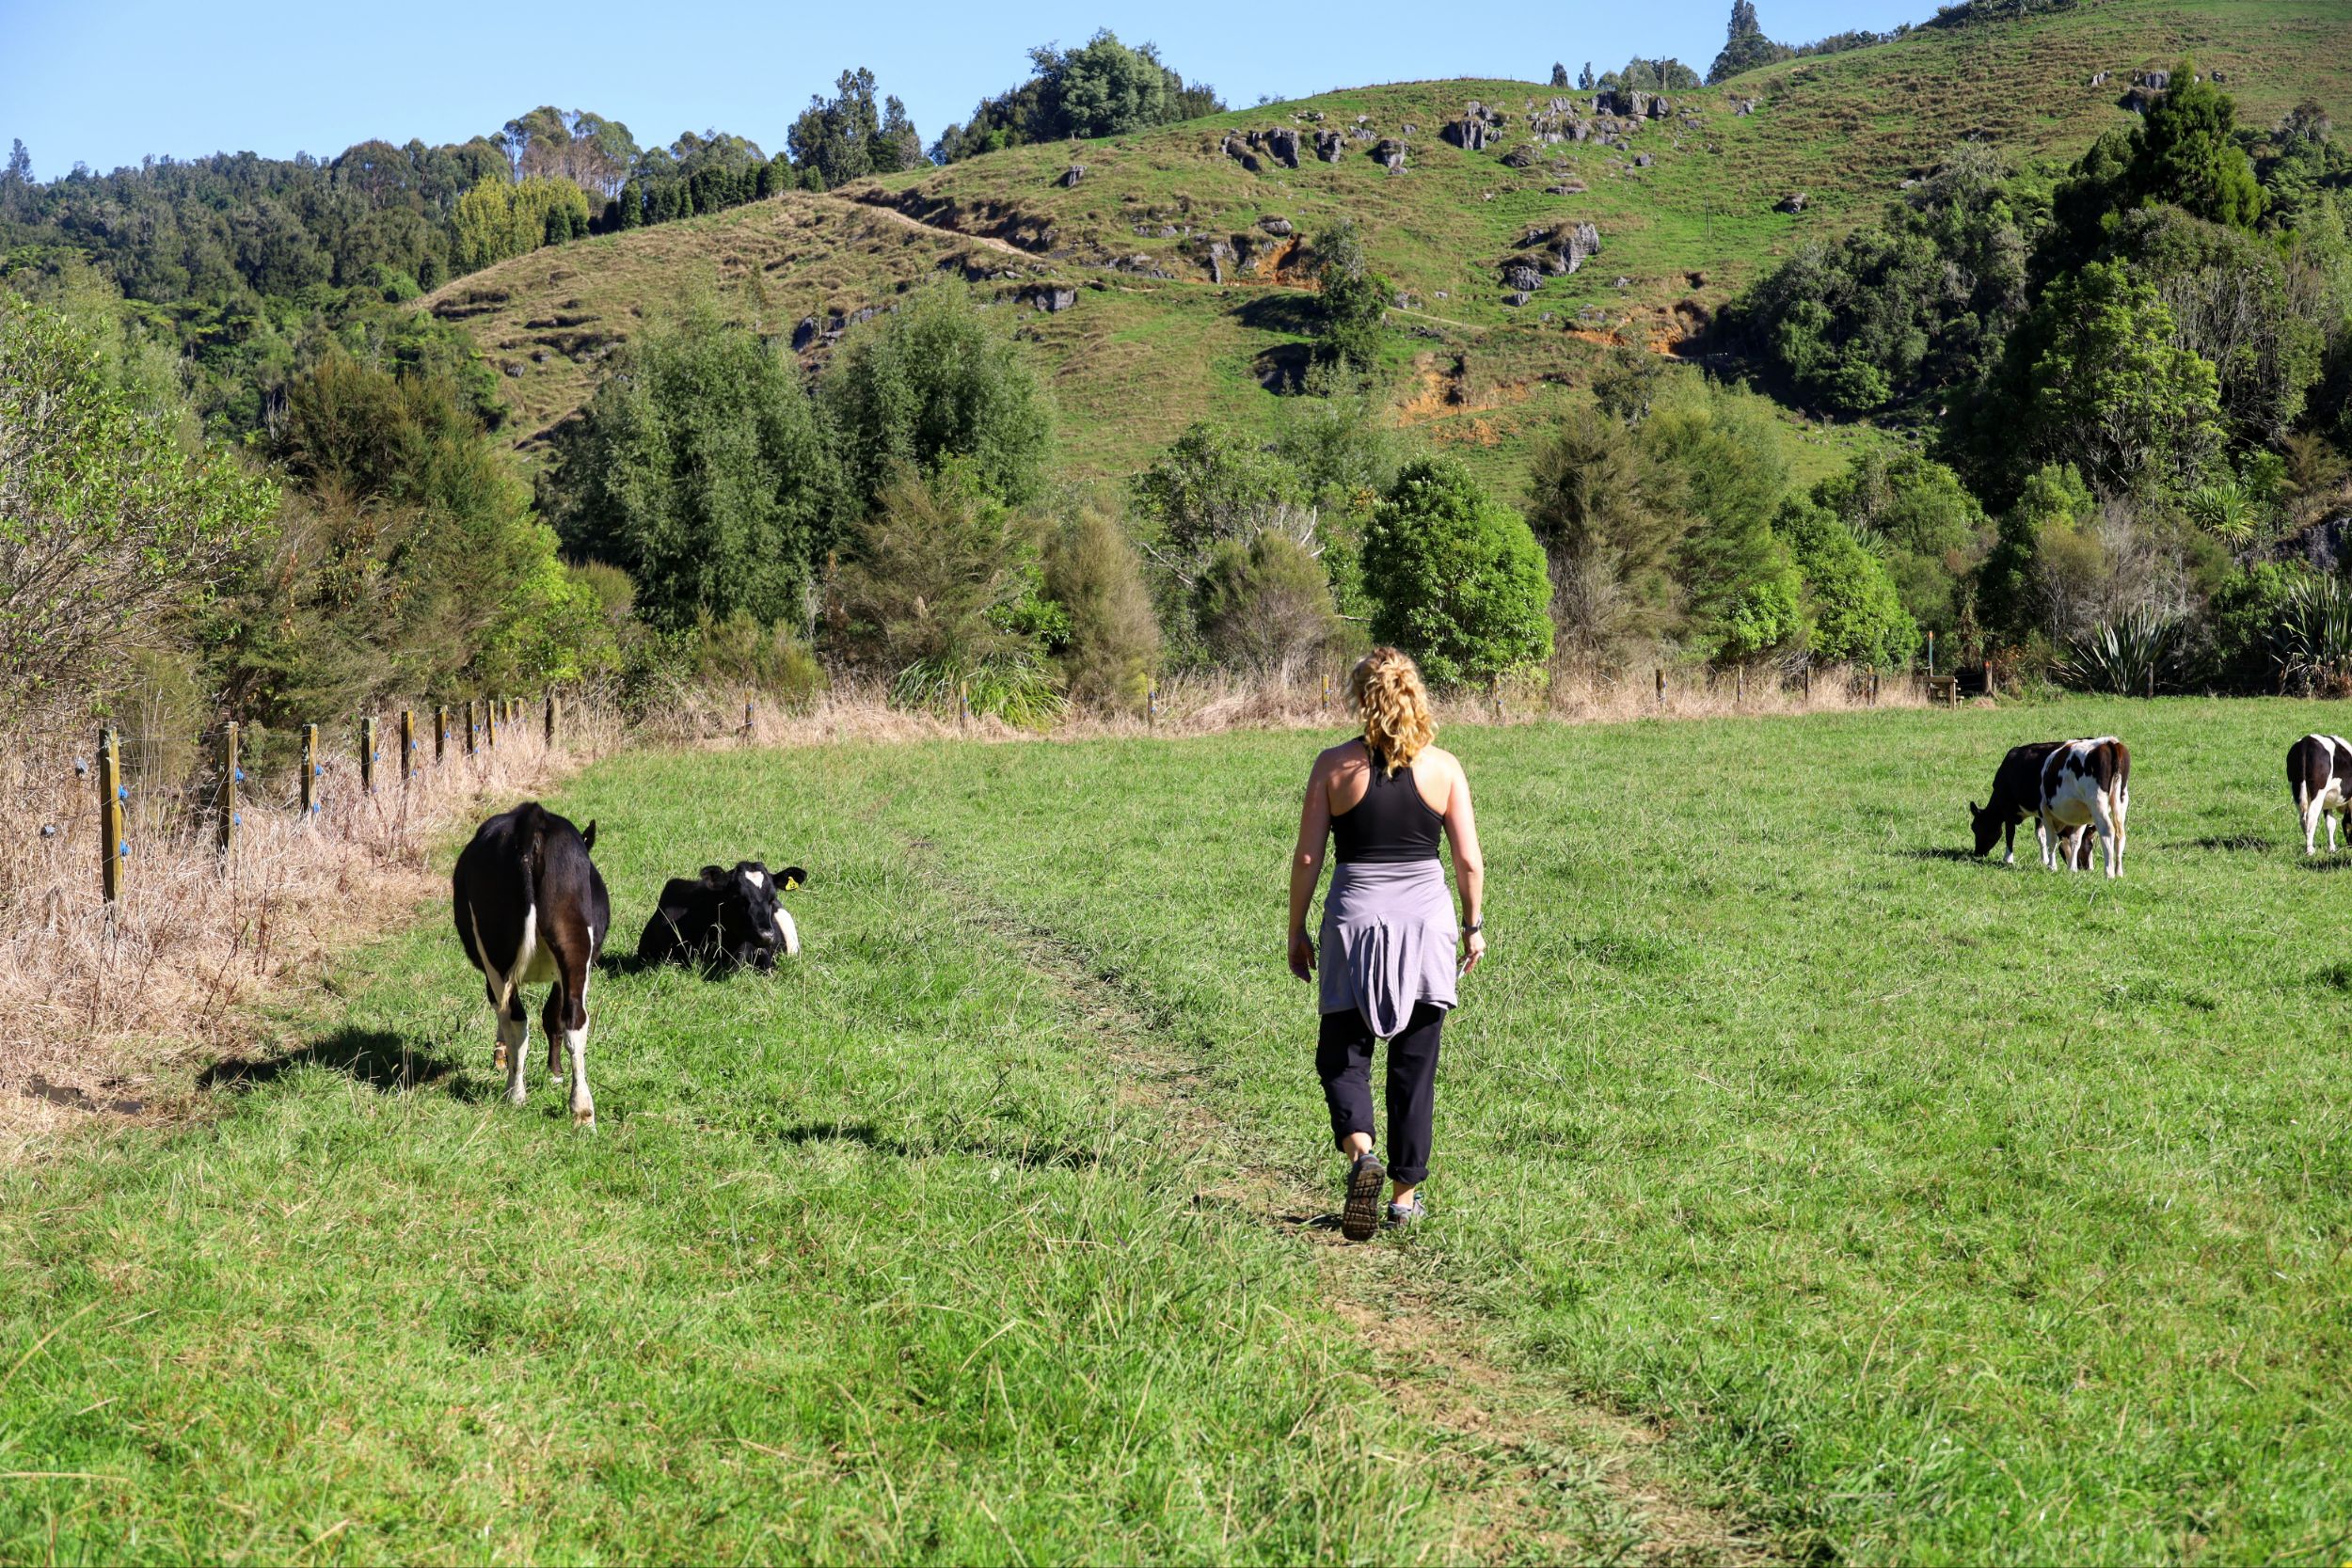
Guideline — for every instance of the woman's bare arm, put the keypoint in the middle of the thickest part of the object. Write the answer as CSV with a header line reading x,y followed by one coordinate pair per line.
x,y
1314,827
1470,868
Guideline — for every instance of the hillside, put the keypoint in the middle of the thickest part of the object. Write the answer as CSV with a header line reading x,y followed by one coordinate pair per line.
x,y
1184,246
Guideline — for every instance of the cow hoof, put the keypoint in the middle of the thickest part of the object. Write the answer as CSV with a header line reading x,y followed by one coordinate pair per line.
x,y
586,1119
498,1056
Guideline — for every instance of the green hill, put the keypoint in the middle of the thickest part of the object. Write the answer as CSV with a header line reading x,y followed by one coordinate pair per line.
x,y
1188,296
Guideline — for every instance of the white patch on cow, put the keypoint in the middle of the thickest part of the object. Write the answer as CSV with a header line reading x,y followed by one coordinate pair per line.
x,y
791,932
2330,803
576,1046
514,1032
2072,799
757,880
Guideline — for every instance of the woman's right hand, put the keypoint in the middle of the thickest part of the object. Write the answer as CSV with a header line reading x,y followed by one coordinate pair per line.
x,y
1474,949
1302,955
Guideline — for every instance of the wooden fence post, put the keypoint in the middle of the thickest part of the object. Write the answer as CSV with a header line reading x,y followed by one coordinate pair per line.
x,y
231,775
440,734
554,716
1326,691
473,730
1739,687
747,720
367,754
110,794
2152,679
309,772
1930,653
1151,708
1661,689
963,703
1988,677
490,723
407,745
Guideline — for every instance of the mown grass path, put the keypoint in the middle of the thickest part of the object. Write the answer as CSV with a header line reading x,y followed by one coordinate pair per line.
x,y
1920,1210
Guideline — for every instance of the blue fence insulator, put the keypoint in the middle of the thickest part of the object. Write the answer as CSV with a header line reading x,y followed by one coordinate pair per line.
x,y
124,851
122,792
236,819
320,770
241,775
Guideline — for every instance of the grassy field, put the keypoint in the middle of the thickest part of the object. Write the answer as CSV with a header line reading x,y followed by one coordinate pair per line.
x,y
1138,357
1803,1189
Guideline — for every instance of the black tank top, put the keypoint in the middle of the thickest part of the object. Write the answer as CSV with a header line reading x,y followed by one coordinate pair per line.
x,y
1390,824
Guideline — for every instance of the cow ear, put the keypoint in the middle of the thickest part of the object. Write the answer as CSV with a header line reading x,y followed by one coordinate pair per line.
x,y
791,877
588,838
1975,810
716,876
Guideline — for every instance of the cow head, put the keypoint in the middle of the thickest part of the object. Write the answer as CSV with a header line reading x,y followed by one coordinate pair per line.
x,y
1988,825
751,928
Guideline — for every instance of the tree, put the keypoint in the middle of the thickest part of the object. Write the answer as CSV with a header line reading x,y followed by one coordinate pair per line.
x,y
2186,154
1214,488
943,594
109,527
1745,47
1265,607
1455,578
836,137
1857,617
698,468
1559,75
1105,88
2113,391
2007,584
1112,646
1929,529
1584,79
1353,302
935,380
1596,500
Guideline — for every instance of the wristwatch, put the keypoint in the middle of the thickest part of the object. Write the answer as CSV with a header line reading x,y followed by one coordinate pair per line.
x,y
1473,927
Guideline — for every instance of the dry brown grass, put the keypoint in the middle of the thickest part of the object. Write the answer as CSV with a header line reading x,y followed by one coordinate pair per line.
x,y
107,1009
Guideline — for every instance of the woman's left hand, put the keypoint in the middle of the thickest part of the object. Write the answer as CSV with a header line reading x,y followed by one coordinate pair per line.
x,y
1302,955
1474,949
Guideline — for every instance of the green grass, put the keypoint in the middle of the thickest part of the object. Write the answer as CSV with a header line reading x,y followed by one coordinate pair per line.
x,y
1933,1212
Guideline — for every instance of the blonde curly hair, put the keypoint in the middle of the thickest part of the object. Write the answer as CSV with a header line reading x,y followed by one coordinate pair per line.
x,y
1389,692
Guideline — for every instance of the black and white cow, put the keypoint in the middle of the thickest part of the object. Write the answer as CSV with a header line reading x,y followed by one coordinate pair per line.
x,y
730,916
2318,769
531,909
2065,787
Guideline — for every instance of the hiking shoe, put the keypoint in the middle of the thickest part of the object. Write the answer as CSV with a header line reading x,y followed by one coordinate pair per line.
x,y
1407,1214
1360,1218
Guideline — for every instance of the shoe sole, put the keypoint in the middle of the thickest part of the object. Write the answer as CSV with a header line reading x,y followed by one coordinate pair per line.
x,y
1361,1217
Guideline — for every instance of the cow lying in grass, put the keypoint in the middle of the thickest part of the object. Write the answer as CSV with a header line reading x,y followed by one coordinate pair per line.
x,y
2065,787
2318,767
724,916
531,909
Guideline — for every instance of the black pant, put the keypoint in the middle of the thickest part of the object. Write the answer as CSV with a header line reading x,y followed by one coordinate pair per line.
x,y
1343,1062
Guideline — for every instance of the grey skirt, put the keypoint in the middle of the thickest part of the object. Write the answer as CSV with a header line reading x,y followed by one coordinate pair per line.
x,y
1389,936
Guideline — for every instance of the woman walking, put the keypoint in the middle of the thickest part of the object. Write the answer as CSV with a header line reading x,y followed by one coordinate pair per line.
x,y
1389,935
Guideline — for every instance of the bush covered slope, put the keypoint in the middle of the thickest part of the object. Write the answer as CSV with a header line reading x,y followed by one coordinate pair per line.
x,y
1187,297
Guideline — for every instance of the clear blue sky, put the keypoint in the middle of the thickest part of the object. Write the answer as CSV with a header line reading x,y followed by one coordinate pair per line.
x,y
104,82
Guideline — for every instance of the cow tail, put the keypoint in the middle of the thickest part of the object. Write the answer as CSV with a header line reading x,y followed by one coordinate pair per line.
x,y
530,832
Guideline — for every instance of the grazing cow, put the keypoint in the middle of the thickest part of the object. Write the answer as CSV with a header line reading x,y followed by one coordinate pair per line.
x,y
2066,787
732,915
531,909
2318,769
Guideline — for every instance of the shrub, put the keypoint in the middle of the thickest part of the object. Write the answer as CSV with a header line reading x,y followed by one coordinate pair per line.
x,y
1266,608
741,652
944,594
1112,648
1455,578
